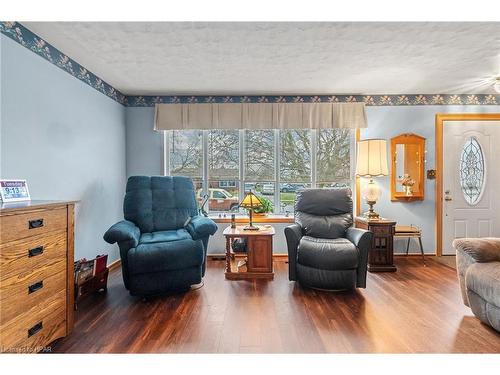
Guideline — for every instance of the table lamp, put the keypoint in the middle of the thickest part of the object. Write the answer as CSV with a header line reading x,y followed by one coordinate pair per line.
x,y
250,201
371,162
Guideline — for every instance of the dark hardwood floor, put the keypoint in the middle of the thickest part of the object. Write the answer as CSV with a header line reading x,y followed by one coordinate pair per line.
x,y
414,310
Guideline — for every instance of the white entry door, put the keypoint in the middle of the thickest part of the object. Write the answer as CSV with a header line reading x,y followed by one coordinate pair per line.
x,y
471,180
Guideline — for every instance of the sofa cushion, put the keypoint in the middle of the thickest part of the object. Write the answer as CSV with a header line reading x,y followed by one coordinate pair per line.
x,y
165,236
484,280
480,249
327,253
165,256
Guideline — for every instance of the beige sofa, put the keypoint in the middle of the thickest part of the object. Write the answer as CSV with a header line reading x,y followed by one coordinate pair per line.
x,y
478,267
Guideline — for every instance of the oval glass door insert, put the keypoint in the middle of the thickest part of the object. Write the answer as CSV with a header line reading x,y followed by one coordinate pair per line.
x,y
472,171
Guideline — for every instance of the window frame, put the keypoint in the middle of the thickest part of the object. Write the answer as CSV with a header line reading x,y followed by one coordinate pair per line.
x,y
241,182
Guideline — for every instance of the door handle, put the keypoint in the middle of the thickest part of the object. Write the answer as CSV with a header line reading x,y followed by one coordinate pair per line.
x,y
447,196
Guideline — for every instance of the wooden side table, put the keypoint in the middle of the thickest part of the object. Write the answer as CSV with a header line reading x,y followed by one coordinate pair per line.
x,y
381,255
259,244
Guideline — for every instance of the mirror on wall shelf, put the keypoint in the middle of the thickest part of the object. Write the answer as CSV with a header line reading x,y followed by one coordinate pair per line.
x,y
407,167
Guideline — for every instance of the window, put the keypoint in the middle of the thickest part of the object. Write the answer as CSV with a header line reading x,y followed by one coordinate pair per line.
x,y
227,184
333,158
472,171
275,164
295,165
295,162
186,157
223,156
259,155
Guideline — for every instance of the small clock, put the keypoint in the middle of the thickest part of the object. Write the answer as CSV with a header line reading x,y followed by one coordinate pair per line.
x,y
14,191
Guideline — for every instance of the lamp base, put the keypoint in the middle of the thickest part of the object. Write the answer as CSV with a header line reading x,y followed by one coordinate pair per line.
x,y
250,227
370,214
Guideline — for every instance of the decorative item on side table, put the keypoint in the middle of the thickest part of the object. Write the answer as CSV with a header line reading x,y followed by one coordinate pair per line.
x,y
371,162
258,263
381,254
90,276
266,207
250,201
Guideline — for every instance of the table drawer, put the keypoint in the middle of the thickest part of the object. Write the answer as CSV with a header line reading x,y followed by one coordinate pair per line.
x,y
28,254
382,230
22,292
36,327
14,227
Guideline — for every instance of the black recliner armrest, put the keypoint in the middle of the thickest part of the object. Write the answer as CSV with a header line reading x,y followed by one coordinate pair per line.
x,y
293,234
362,239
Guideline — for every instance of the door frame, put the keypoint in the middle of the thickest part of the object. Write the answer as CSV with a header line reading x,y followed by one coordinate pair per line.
x,y
441,119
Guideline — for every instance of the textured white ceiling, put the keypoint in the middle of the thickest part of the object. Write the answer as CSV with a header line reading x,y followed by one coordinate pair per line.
x,y
283,58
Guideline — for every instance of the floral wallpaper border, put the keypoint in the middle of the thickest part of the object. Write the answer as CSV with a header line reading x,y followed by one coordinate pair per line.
x,y
369,100
26,38
33,42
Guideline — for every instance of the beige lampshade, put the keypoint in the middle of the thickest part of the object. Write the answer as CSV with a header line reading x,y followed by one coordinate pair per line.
x,y
372,158
250,201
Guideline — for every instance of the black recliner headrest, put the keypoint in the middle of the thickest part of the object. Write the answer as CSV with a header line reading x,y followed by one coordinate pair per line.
x,y
324,202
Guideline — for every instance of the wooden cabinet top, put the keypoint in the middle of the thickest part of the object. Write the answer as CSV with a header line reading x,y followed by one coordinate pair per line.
x,y
381,221
239,231
7,208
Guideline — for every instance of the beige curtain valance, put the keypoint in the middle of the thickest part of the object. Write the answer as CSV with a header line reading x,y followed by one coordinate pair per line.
x,y
260,116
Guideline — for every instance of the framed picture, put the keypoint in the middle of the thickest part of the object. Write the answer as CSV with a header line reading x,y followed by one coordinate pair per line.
x,y
14,191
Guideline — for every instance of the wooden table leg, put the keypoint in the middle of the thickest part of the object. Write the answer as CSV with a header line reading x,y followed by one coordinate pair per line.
x,y
228,255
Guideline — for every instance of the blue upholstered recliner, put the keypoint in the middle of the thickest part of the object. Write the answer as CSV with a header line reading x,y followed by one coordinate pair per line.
x,y
163,241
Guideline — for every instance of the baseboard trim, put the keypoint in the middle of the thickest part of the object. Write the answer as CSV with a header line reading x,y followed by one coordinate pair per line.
x,y
414,255
223,256
116,264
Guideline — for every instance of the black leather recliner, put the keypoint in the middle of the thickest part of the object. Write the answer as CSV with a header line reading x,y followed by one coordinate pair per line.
x,y
324,250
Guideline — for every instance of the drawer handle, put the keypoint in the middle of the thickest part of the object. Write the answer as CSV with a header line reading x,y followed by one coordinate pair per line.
x,y
35,329
37,223
35,251
34,287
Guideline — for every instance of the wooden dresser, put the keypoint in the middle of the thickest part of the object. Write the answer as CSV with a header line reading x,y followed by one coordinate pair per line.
x,y
36,274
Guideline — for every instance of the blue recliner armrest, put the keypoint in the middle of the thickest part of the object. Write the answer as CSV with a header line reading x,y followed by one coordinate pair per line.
x,y
123,231
200,227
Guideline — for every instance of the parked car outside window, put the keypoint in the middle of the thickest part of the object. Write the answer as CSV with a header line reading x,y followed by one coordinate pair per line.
x,y
219,200
291,188
268,189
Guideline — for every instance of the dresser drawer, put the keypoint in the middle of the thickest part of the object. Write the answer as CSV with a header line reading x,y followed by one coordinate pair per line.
x,y
14,227
36,327
27,254
22,292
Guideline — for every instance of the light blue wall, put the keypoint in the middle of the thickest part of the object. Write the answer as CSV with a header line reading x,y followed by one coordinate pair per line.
x,y
144,145
66,139
387,122
144,156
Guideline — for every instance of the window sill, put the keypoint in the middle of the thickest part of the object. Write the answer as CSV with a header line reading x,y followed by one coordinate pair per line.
x,y
256,219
